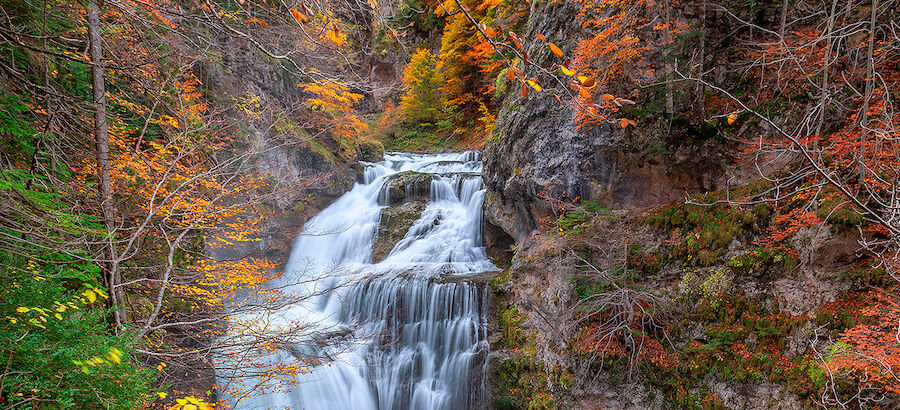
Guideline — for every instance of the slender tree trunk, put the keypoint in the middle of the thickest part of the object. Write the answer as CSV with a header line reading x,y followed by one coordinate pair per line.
x,y
701,67
784,12
670,70
826,70
870,88
102,136
870,65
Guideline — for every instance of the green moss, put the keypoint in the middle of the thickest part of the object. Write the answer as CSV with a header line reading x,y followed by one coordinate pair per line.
x,y
526,383
862,277
511,324
839,211
320,149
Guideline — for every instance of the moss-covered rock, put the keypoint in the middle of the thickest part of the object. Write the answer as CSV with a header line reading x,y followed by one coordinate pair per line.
x,y
409,186
395,222
370,151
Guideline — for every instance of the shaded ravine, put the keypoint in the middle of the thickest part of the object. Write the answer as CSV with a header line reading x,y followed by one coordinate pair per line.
x,y
408,332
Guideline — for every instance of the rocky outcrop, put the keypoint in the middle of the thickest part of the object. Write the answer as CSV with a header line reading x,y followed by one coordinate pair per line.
x,y
538,150
395,222
408,186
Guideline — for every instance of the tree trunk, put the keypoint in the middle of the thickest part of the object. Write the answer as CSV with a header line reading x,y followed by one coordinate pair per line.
x,y
701,86
102,136
784,12
670,70
826,70
870,65
870,89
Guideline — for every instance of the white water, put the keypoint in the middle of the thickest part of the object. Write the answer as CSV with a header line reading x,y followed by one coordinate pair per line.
x,y
410,339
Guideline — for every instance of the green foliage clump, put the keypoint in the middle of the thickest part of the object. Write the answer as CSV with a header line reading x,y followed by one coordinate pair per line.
x,y
760,261
511,323
706,284
861,277
17,132
744,341
577,222
708,229
838,211
55,347
525,382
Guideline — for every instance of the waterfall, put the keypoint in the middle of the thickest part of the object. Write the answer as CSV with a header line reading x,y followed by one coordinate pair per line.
x,y
408,332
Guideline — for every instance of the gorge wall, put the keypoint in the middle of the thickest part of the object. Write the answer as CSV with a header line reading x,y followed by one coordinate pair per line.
x,y
569,207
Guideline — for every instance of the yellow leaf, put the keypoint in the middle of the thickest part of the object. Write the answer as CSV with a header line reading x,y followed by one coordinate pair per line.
x,y
162,394
22,309
90,295
115,355
58,316
566,71
534,85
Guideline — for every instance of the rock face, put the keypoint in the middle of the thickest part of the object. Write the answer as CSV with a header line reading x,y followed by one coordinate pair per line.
x,y
538,154
395,222
539,150
408,186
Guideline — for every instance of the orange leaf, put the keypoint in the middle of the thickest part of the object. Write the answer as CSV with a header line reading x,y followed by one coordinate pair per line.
x,y
623,123
607,97
510,74
524,91
258,21
584,93
541,36
298,16
732,118
335,36
588,82
555,50
515,40
488,31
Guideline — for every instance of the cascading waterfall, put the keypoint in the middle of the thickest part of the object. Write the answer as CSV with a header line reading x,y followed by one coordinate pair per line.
x,y
416,328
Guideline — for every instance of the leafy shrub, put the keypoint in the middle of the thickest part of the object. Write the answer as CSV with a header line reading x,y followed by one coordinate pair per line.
x,y
56,346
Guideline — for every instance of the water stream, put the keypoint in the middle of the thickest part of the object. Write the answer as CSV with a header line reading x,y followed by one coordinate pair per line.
x,y
405,333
